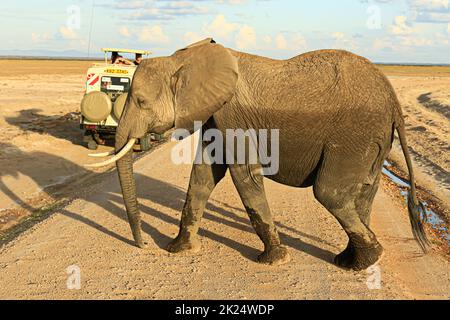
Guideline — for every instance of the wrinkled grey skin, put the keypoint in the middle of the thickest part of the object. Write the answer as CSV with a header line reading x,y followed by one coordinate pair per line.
x,y
336,112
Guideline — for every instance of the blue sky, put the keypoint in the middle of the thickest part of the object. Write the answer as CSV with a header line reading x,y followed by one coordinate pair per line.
x,y
382,30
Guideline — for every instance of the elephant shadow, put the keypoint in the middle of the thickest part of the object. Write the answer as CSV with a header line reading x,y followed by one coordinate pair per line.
x,y
65,127
160,193
44,169
173,197
40,168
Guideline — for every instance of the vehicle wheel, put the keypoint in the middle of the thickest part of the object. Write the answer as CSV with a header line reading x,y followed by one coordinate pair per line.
x,y
146,143
92,145
87,136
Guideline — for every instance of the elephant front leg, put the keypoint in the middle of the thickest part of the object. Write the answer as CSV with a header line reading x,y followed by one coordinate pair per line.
x,y
248,180
203,180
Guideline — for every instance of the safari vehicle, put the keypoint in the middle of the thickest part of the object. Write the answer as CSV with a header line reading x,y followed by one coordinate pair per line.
x,y
107,87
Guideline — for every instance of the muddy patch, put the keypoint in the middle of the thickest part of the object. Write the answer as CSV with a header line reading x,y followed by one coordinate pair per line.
x,y
419,129
435,221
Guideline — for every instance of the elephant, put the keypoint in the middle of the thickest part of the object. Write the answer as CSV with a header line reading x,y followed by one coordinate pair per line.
x,y
336,113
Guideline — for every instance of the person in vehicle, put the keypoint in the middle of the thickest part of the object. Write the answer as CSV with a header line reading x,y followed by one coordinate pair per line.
x,y
137,59
116,58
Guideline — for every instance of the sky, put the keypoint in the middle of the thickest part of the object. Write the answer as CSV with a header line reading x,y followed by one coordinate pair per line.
x,y
395,31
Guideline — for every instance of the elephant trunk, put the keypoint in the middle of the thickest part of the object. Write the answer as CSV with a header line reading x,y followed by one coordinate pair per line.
x,y
128,185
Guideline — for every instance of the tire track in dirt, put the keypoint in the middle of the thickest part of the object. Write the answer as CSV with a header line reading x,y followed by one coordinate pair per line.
x,y
428,131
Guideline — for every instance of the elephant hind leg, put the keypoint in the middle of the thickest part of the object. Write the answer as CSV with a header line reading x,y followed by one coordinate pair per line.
x,y
365,199
351,207
349,196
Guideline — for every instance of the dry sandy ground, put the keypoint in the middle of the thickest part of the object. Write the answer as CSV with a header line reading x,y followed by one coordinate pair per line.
x,y
93,234
426,104
41,159
40,139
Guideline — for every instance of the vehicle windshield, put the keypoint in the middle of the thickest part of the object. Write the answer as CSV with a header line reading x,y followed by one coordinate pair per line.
x,y
125,59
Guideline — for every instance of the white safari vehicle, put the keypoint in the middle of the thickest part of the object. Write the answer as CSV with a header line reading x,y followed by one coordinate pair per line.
x,y
107,87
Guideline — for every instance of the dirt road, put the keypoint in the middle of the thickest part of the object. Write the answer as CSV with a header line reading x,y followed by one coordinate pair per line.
x,y
93,234
41,158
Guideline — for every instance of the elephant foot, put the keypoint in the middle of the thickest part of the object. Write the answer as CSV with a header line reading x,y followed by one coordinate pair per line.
x,y
139,241
142,244
180,245
275,256
359,258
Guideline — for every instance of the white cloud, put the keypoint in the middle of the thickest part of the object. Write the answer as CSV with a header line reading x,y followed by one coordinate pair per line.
x,y
342,41
430,4
293,42
67,33
192,37
383,43
404,43
298,41
220,27
430,11
400,26
338,36
40,38
280,42
153,34
233,2
406,35
246,38
138,4
267,39
442,38
123,31
416,42
160,10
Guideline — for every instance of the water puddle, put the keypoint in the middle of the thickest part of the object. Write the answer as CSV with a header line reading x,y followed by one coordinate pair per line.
x,y
433,218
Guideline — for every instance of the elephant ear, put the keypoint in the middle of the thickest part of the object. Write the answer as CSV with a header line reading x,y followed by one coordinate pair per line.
x,y
205,82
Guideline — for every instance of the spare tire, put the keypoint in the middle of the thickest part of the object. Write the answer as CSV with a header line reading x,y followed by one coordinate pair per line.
x,y
119,105
96,106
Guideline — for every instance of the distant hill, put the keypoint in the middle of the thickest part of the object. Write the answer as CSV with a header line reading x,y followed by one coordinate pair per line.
x,y
42,54
80,55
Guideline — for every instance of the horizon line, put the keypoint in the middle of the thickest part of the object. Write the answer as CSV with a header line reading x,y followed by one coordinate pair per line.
x,y
98,58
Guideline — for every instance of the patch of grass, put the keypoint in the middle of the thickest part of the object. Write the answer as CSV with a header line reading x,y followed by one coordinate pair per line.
x,y
415,71
29,221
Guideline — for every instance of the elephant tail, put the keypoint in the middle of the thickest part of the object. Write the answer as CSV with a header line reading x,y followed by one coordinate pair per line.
x,y
416,209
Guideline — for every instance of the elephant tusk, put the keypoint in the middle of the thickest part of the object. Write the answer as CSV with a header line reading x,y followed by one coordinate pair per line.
x,y
116,158
101,155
